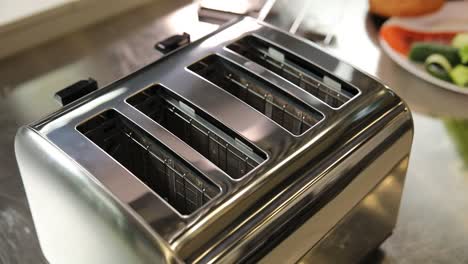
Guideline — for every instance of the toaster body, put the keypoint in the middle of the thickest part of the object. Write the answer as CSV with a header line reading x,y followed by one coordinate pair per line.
x,y
248,145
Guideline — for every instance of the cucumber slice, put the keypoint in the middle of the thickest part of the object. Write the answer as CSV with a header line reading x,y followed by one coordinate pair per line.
x,y
439,60
459,75
438,66
463,52
460,40
421,50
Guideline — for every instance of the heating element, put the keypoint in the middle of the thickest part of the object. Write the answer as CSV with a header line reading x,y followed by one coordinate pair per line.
x,y
248,145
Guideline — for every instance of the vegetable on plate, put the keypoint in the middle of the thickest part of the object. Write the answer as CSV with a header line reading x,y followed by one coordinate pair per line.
x,y
459,75
463,53
421,50
438,66
445,62
460,40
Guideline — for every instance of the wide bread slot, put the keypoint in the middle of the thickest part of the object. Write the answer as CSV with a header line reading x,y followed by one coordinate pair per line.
x,y
184,188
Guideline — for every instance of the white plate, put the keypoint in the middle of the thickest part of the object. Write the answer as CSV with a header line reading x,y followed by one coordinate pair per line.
x,y
452,17
418,69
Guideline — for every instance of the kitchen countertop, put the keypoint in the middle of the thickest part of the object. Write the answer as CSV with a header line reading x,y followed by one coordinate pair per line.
x,y
433,221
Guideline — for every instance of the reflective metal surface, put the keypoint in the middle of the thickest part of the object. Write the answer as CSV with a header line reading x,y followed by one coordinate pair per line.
x,y
432,218
432,222
302,175
67,203
106,51
350,239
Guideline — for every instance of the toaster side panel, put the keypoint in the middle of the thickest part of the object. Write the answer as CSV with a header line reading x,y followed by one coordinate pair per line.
x,y
375,191
76,220
366,226
360,171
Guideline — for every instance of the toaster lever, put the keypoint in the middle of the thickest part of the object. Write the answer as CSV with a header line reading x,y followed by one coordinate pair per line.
x,y
76,91
173,42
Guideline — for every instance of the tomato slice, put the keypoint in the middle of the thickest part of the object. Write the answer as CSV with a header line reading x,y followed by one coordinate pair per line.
x,y
400,39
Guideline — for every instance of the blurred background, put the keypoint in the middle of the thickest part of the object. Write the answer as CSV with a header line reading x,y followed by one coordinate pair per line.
x,y
50,44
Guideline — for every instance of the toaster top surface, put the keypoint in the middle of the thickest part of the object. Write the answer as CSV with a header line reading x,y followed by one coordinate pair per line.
x,y
228,121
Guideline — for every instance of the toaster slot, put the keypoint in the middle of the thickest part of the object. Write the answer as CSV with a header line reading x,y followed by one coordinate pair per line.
x,y
213,140
154,164
300,72
283,108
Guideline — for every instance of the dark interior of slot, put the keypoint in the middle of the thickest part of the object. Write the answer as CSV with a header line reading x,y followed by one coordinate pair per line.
x,y
283,108
155,165
203,133
294,69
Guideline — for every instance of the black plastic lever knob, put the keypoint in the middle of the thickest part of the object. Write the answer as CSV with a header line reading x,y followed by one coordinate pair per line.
x,y
76,91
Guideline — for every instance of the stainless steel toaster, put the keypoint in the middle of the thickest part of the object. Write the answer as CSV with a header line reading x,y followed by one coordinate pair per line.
x,y
248,145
